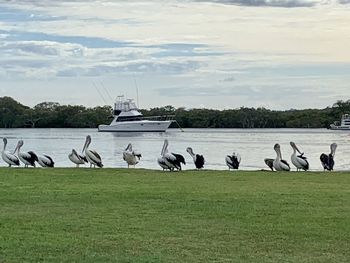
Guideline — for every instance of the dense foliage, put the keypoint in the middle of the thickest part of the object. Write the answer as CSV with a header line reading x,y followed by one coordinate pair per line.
x,y
53,115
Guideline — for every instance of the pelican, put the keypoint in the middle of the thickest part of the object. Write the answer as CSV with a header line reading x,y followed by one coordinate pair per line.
x,y
92,156
130,156
328,160
299,161
77,158
28,158
233,161
9,158
269,163
161,160
45,161
197,158
172,160
278,163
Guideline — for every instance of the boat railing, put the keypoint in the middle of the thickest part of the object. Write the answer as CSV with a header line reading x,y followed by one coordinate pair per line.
x,y
160,118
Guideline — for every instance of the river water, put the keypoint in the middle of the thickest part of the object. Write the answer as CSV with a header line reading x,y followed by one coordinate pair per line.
x,y
252,144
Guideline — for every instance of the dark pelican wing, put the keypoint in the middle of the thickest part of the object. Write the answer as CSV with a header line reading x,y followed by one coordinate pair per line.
x,y
179,159
96,158
199,162
269,163
32,158
327,161
51,163
285,162
232,161
330,162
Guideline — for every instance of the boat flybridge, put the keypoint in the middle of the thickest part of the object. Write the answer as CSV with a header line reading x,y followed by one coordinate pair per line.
x,y
344,123
128,118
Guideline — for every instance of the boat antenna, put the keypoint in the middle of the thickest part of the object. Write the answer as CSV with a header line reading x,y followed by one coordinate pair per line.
x,y
99,92
106,90
137,91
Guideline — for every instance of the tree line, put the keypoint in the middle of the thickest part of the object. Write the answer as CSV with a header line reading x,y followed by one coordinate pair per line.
x,y
53,115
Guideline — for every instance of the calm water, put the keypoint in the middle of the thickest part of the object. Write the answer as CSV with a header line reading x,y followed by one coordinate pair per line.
x,y
214,144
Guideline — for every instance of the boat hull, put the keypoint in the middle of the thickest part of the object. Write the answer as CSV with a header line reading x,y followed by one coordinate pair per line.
x,y
136,126
342,128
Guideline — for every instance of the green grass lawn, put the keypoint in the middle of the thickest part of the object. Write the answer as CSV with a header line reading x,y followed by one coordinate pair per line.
x,y
120,215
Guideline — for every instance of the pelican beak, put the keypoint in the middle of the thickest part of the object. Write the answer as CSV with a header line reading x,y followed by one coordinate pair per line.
x,y
15,149
296,148
84,146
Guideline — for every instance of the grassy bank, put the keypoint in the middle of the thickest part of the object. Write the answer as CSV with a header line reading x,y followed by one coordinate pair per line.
x,y
119,215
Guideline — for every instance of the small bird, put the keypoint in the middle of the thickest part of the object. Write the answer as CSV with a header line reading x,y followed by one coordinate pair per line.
x,y
233,161
197,158
92,156
299,161
77,158
9,158
327,161
130,156
28,158
279,164
45,161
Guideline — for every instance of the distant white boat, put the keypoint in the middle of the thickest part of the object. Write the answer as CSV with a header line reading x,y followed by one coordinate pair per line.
x,y
344,123
128,118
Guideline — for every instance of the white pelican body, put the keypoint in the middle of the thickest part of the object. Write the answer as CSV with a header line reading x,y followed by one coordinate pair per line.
x,y
28,158
45,161
327,161
92,156
299,161
278,163
197,158
233,161
8,157
161,160
130,156
77,158
170,161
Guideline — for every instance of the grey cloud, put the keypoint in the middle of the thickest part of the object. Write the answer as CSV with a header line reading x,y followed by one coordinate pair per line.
x,y
144,67
267,3
344,2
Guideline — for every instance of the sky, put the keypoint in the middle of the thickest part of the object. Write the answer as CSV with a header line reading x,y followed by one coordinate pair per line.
x,y
221,54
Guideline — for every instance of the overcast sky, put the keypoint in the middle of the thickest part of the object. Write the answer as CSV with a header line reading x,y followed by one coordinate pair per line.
x,y
278,54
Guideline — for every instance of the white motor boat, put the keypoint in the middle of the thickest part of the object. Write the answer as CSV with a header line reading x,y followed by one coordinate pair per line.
x,y
344,123
128,118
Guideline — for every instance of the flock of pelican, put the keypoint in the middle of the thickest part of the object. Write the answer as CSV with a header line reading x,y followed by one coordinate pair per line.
x,y
167,160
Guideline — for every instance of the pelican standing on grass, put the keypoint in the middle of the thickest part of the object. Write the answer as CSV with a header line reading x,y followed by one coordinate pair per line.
x,y
233,161
299,161
278,163
173,160
161,160
28,158
130,156
197,158
45,161
327,161
9,158
92,156
77,158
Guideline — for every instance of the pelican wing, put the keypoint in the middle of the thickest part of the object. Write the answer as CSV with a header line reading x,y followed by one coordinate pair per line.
x,y
199,162
10,158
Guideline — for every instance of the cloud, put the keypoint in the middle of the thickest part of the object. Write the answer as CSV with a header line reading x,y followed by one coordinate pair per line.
x,y
266,3
344,2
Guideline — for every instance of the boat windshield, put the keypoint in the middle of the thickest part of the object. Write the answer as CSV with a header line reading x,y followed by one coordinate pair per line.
x,y
124,105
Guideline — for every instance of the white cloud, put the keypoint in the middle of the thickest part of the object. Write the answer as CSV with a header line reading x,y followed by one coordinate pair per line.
x,y
236,42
